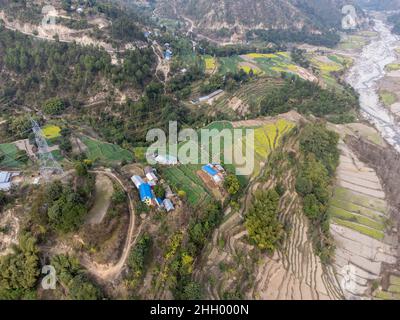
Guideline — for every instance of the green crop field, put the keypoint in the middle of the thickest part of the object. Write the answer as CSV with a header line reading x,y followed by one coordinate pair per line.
x,y
229,64
10,152
267,138
358,212
184,178
98,150
388,98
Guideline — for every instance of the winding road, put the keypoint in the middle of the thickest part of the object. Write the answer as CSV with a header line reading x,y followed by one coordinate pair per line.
x,y
111,272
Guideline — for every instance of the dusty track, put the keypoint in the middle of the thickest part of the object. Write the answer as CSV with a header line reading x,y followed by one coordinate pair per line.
x,y
111,272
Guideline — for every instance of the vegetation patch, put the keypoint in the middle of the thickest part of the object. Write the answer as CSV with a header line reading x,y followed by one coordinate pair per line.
x,y
393,67
387,97
373,233
11,156
51,131
319,160
210,63
107,152
184,178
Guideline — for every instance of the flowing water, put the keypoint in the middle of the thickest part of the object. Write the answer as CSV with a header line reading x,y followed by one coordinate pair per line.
x,y
368,69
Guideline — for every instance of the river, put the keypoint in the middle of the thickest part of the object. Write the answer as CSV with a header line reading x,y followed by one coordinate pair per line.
x,y
367,70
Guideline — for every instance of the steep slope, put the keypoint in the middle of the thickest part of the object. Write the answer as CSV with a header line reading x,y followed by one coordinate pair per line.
x,y
315,16
231,267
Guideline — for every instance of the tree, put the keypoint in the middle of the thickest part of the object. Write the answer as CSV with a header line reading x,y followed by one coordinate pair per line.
x,y
192,291
232,184
182,194
19,271
262,222
81,169
73,276
53,106
159,191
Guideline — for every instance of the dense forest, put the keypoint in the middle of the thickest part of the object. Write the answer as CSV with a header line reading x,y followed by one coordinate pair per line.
x,y
47,69
309,98
316,170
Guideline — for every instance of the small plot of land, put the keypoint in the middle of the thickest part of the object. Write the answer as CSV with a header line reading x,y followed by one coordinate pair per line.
x,y
51,131
359,130
105,152
266,139
328,65
250,95
184,178
210,64
392,292
353,42
393,67
388,98
11,156
103,194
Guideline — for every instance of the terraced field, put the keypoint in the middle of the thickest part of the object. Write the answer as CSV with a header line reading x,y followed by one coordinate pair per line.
x,y
392,290
248,95
231,265
327,65
359,219
184,178
270,64
105,152
266,138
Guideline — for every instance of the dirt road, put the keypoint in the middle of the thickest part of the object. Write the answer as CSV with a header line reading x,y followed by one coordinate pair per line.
x,y
110,272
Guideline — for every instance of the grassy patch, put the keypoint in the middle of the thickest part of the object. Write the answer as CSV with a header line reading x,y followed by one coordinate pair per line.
x,y
344,194
184,178
393,67
387,97
229,64
10,152
98,150
140,154
378,235
359,219
210,63
352,42
247,69
352,207
51,131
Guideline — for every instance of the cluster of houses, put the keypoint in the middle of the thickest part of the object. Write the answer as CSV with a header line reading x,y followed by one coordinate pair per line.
x,y
216,172
146,185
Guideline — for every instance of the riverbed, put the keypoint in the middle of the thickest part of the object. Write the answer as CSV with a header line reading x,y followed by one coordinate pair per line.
x,y
368,69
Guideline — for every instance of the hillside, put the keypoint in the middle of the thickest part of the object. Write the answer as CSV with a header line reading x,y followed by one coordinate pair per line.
x,y
226,18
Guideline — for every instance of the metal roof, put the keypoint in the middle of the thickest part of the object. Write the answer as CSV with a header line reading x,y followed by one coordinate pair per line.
x,y
137,181
145,192
209,170
168,205
5,177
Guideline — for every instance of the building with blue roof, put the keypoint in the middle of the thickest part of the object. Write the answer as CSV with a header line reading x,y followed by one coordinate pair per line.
x,y
207,168
146,194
